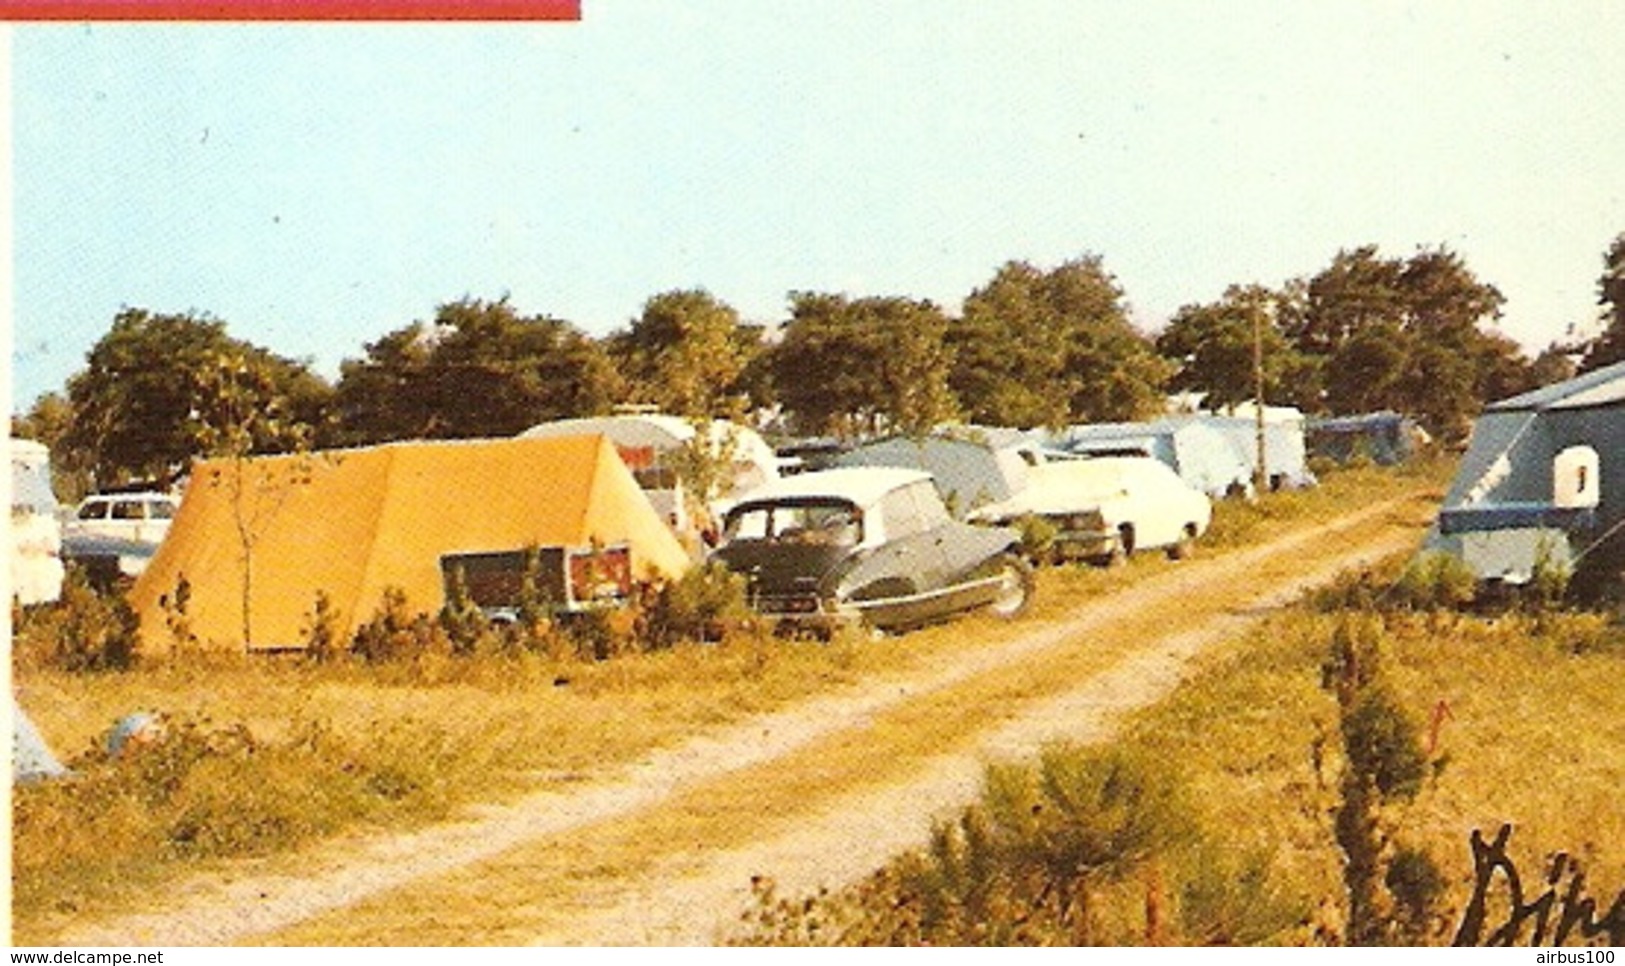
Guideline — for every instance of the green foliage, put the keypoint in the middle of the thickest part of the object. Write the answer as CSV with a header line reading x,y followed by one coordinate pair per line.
x,y
1384,765
160,390
478,369
1417,885
323,642
1037,536
1038,347
1548,582
1214,347
705,604
464,624
685,354
864,365
1023,866
393,632
1228,897
81,630
1609,346
1435,581
1407,334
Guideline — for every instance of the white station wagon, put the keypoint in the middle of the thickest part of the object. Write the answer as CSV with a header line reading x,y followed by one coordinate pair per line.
x,y
139,517
1106,508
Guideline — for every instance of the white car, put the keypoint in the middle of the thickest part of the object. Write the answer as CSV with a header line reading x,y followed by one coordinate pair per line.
x,y
1106,508
138,517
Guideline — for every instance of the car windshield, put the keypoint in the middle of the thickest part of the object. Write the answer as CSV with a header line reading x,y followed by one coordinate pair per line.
x,y
831,522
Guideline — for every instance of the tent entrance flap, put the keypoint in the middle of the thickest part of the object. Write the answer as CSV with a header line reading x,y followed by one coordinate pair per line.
x,y
557,579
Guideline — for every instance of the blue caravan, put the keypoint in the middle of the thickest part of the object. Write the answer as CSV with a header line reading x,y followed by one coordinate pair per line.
x,y
1543,480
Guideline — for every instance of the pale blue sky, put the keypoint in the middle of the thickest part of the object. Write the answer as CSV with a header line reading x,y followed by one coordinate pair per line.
x,y
318,186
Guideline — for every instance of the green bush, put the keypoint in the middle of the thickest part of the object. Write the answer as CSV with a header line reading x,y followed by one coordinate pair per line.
x,y
1037,536
393,632
705,604
1023,866
1436,581
82,630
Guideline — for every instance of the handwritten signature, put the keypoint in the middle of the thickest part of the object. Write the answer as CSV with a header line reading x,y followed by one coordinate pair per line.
x,y
1573,908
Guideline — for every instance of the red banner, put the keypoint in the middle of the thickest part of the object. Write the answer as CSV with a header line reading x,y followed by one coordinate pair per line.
x,y
288,10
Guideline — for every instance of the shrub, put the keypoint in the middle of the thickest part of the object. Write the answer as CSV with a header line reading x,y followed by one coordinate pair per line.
x,y
466,627
1037,536
1022,866
1389,894
1435,581
705,604
394,632
82,630
322,639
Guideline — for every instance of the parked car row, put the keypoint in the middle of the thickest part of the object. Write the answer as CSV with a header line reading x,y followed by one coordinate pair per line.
x,y
878,545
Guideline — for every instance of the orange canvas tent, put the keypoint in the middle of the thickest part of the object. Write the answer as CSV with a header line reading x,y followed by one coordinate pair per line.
x,y
275,531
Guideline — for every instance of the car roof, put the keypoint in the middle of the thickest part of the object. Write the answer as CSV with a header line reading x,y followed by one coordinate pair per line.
x,y
133,495
862,485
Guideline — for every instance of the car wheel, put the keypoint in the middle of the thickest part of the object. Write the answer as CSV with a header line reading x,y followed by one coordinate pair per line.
x,y
1015,588
1181,548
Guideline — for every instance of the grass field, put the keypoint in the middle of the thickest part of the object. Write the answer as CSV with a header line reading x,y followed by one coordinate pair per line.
x,y
1523,717
267,755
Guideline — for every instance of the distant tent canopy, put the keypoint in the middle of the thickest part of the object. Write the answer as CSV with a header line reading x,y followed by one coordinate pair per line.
x,y
1385,438
350,524
1543,480
648,437
1211,453
31,758
968,472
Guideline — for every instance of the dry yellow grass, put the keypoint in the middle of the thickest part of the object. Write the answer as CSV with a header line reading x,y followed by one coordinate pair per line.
x,y
503,728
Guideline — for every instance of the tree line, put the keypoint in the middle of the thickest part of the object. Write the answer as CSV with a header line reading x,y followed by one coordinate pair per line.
x,y
1033,346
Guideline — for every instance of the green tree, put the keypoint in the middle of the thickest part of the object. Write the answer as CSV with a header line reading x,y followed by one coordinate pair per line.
x,y
49,421
479,369
1364,372
1554,364
1357,290
685,354
1213,345
160,390
1409,335
869,364
1609,347
1037,347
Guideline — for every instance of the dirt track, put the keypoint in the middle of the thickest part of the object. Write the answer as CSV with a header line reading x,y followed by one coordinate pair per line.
x,y
654,856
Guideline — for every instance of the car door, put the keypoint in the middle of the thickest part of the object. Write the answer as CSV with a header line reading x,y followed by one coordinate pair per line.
x,y
917,535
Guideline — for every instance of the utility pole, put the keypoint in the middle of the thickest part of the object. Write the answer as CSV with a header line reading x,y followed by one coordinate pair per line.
x,y
1260,470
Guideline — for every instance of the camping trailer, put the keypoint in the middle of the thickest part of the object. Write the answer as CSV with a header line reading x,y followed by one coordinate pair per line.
x,y
36,533
1543,481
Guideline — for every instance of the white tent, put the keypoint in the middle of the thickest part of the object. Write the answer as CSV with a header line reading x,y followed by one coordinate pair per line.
x,y
31,759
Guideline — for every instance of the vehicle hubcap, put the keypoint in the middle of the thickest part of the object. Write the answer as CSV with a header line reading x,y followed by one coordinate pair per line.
x,y
1011,591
